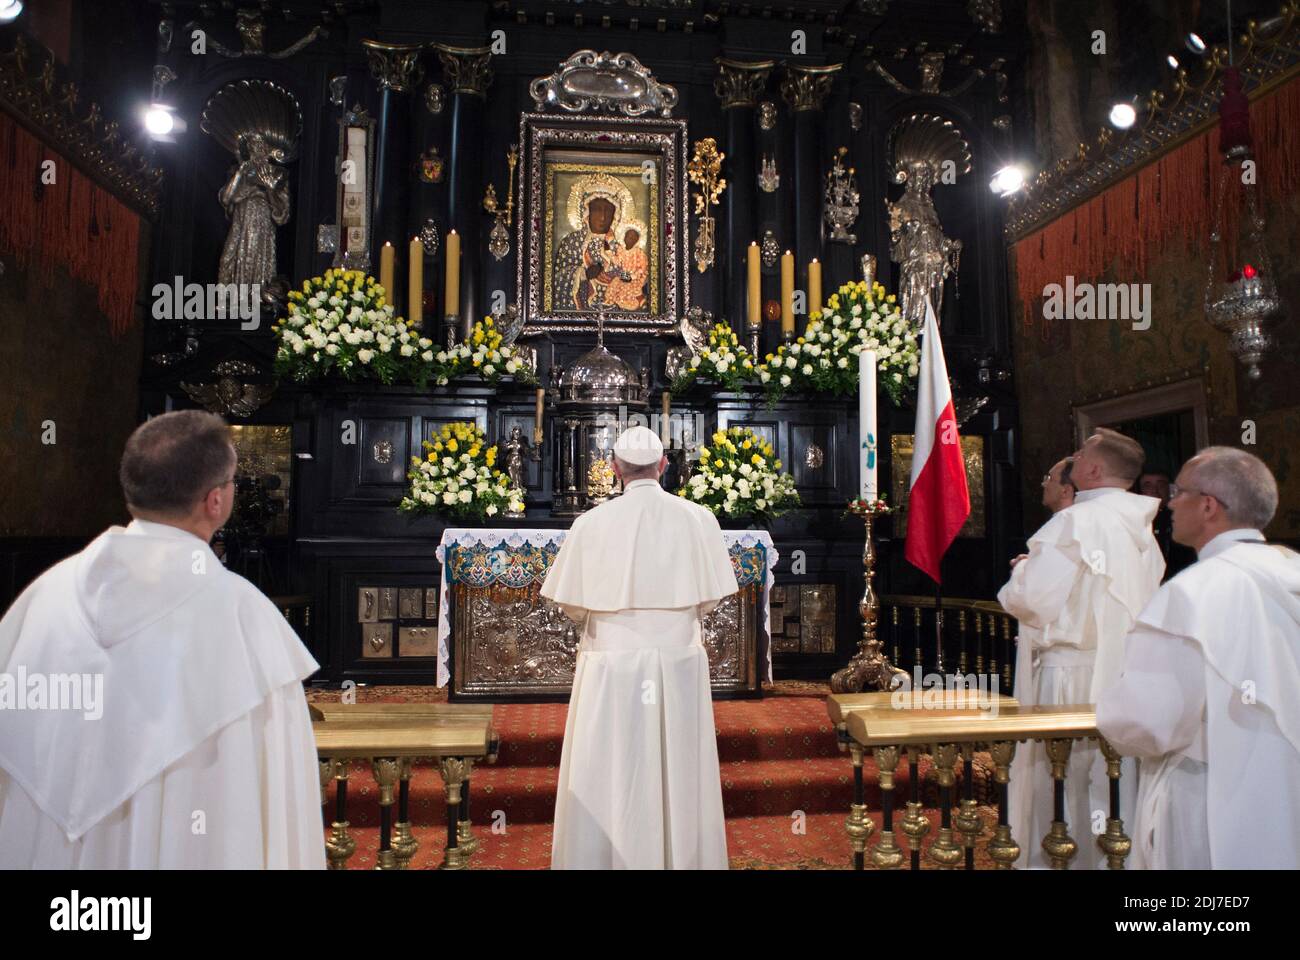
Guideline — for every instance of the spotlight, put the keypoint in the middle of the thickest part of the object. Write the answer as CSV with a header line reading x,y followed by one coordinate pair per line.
x,y
1172,61
1123,115
158,120
1195,43
1007,180
9,10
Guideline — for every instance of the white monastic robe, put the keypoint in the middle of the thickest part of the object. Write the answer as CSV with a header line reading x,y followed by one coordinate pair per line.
x,y
1091,569
639,783
198,752
1210,691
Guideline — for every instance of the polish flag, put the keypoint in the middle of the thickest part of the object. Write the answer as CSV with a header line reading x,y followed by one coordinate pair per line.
x,y
939,501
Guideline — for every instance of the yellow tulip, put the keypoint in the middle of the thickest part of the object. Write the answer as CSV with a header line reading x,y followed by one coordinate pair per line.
x,y
756,460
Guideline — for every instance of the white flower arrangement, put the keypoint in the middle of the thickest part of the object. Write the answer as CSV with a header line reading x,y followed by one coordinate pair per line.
x,y
483,354
723,360
825,358
458,475
342,322
739,477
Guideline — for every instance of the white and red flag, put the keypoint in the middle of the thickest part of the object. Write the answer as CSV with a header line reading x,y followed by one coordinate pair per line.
x,y
939,502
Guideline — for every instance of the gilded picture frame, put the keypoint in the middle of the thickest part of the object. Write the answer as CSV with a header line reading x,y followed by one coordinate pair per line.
x,y
901,446
585,181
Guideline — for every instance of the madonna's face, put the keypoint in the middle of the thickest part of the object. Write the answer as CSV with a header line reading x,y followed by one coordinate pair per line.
x,y
600,214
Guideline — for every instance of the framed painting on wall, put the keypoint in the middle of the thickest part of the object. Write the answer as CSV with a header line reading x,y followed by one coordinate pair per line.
x,y
603,201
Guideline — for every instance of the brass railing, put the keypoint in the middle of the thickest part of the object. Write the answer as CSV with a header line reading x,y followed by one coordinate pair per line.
x,y
963,635
951,737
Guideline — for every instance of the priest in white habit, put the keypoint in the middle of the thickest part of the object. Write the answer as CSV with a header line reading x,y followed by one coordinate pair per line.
x,y
639,783
1209,691
1089,572
173,731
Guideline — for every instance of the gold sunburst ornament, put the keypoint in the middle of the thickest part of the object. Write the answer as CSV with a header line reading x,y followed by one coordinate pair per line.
x,y
705,171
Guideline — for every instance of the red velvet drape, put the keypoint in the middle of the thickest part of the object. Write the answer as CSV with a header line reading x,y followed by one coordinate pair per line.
x,y
73,223
1170,201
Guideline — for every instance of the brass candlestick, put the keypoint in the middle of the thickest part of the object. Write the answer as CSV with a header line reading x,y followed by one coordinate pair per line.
x,y
869,664
449,324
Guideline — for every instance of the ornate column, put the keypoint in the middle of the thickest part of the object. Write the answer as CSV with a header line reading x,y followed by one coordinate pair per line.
x,y
396,68
467,72
738,85
805,89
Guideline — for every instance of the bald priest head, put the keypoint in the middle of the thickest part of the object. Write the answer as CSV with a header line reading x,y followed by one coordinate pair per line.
x,y
639,455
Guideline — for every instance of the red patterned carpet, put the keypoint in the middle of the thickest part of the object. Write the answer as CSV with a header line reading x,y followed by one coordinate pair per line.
x,y
786,787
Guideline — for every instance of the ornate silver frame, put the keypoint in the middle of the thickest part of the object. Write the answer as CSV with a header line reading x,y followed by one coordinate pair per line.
x,y
540,132
356,117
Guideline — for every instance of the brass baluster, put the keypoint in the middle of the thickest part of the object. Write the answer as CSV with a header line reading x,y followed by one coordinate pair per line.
x,y
405,845
385,771
1058,844
465,838
968,819
886,854
961,627
894,634
858,825
340,845
1006,654
454,771
945,851
1003,849
979,642
916,653
1114,842
915,824
993,646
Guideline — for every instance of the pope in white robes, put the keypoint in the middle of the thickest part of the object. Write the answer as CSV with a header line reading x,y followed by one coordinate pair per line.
x,y
151,705
1089,572
1210,683
639,784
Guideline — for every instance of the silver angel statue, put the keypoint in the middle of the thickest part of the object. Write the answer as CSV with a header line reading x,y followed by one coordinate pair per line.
x,y
259,122
925,150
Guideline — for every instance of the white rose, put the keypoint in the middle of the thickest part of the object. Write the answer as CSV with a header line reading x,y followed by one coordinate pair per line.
x,y
427,356
791,363
407,350
760,503
449,498
466,496
785,380
491,510
807,369
842,363
722,366
517,506
488,370
764,376
912,370
365,356
332,349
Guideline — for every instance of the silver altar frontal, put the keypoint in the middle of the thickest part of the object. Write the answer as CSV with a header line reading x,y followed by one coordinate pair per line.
x,y
598,392
500,640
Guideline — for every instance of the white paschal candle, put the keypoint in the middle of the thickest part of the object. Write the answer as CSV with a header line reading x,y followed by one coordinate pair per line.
x,y
867,435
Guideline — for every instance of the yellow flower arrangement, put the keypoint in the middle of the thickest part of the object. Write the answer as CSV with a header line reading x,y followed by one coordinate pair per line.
x,y
459,476
732,485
